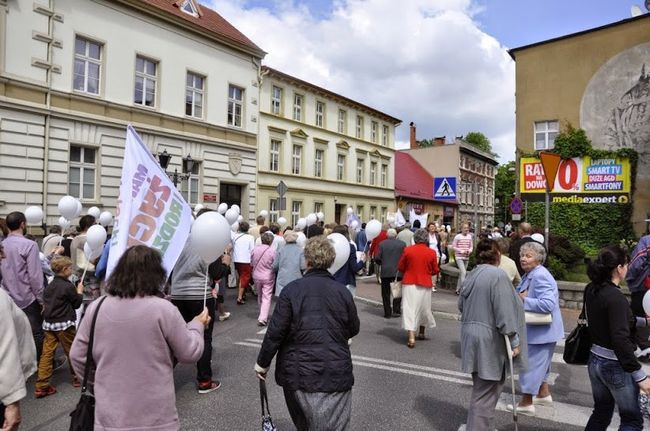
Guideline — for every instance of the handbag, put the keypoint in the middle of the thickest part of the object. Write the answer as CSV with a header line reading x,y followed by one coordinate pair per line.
x,y
396,288
533,318
267,422
82,417
578,344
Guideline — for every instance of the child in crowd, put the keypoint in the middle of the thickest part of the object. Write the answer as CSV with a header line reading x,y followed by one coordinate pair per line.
x,y
60,299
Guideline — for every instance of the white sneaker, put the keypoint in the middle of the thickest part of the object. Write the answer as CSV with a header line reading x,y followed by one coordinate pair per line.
x,y
224,316
527,411
546,401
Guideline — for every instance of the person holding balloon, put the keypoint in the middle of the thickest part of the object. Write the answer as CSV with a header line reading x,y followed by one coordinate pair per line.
x,y
83,266
346,272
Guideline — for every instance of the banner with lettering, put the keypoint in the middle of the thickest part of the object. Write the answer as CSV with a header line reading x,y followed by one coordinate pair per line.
x,y
150,210
578,180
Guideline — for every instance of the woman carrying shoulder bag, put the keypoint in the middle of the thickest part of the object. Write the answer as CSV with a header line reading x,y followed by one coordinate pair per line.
x,y
615,373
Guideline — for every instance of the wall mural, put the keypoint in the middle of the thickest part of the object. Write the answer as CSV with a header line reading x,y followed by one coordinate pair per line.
x,y
615,108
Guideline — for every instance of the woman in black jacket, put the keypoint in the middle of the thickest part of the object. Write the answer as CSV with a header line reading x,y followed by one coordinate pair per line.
x,y
309,330
615,373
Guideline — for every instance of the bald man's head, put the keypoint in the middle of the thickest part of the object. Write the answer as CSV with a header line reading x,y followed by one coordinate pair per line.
x,y
525,229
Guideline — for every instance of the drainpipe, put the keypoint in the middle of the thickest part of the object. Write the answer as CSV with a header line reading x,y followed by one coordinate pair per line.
x,y
48,117
260,80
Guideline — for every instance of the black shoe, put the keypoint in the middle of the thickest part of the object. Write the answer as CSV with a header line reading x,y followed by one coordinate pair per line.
x,y
386,316
396,314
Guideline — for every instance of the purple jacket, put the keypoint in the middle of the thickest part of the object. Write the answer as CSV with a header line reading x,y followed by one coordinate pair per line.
x,y
22,276
262,262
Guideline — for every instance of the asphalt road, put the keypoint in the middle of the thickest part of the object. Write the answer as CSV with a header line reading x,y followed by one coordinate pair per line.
x,y
396,388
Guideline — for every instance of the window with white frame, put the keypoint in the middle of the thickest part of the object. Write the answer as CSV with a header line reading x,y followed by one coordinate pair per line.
x,y
83,169
373,173
235,105
373,213
545,133
87,65
276,100
318,207
384,175
194,95
297,107
340,167
374,129
190,185
320,114
343,121
145,82
318,163
274,160
188,8
296,159
273,210
384,135
296,209
359,127
360,170
383,215
360,212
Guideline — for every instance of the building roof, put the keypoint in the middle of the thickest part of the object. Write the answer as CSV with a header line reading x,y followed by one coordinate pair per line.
x,y
474,151
208,20
412,180
328,93
513,51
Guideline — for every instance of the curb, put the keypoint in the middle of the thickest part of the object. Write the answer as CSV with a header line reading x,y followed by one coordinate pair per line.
x,y
440,314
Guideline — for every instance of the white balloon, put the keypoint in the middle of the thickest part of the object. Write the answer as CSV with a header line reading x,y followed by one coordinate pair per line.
x,y
390,219
68,207
301,240
79,209
342,250
64,223
350,210
34,215
222,208
198,207
235,227
210,235
96,236
94,211
373,228
448,228
354,224
231,216
646,303
236,208
92,254
240,219
282,221
106,218
265,214
301,223
311,219
320,216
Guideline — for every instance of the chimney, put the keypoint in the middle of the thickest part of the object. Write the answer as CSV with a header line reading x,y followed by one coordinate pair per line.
x,y
439,140
414,142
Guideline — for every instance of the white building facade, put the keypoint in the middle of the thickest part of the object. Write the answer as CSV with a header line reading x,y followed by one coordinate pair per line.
x,y
74,73
330,151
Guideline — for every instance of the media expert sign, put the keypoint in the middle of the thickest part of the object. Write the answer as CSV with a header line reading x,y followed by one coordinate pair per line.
x,y
578,180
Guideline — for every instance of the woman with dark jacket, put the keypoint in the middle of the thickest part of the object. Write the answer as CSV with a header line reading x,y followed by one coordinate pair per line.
x,y
615,373
309,330
346,275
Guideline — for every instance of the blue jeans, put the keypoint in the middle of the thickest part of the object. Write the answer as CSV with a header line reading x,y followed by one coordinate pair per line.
x,y
611,385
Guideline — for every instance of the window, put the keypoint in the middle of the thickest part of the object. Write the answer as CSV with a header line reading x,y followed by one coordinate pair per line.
x,y
87,65
384,175
320,114
340,167
373,213
383,215
373,173
297,107
145,82
359,127
343,121
318,207
235,105
189,9
374,127
545,133
296,159
384,136
360,173
360,211
276,100
318,163
190,185
274,161
296,208
273,210
81,182
194,95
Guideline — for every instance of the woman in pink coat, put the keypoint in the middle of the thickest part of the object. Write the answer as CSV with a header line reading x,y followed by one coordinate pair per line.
x,y
263,276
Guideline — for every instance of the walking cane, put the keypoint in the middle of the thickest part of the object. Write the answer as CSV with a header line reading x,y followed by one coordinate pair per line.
x,y
512,381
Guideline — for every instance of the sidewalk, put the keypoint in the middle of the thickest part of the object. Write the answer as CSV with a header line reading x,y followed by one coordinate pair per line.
x,y
444,303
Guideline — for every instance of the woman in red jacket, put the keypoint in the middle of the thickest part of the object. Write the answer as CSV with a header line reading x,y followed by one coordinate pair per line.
x,y
418,265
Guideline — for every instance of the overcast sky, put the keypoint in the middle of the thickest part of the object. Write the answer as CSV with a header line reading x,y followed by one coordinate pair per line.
x,y
439,63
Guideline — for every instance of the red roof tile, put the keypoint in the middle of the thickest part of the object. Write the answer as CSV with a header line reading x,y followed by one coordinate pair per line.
x,y
412,180
210,20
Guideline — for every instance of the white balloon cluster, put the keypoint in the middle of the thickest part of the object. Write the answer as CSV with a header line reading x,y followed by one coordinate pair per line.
x,y
282,221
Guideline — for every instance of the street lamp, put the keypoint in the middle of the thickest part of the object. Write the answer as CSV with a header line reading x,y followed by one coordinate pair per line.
x,y
188,164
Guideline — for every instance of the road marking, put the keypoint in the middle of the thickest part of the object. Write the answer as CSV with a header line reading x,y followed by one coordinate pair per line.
x,y
262,332
413,372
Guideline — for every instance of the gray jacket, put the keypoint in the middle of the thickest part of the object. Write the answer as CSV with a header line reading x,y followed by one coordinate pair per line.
x,y
289,265
490,308
390,250
188,277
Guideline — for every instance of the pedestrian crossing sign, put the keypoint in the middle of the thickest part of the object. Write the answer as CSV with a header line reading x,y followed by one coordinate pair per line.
x,y
444,188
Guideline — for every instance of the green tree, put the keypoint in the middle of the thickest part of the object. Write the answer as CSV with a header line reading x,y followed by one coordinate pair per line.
x,y
479,140
424,143
504,188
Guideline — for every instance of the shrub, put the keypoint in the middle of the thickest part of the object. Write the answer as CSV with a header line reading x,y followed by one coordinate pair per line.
x,y
556,268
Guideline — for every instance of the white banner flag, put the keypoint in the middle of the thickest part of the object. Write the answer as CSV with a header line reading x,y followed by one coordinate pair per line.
x,y
150,210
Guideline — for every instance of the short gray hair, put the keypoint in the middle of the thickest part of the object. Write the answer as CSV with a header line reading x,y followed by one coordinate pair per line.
x,y
421,236
391,233
536,248
319,252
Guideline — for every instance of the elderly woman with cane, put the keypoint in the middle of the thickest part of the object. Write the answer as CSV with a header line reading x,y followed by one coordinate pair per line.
x,y
490,309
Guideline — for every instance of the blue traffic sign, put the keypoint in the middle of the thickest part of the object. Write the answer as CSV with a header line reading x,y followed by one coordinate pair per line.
x,y
444,188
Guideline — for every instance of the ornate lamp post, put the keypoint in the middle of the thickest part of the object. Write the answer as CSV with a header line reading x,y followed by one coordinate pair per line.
x,y
188,164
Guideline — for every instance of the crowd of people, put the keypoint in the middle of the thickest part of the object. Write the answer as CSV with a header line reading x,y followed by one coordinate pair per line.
x,y
509,302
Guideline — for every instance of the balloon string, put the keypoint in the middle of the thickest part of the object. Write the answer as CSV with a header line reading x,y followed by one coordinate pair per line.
x,y
84,274
205,292
60,241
